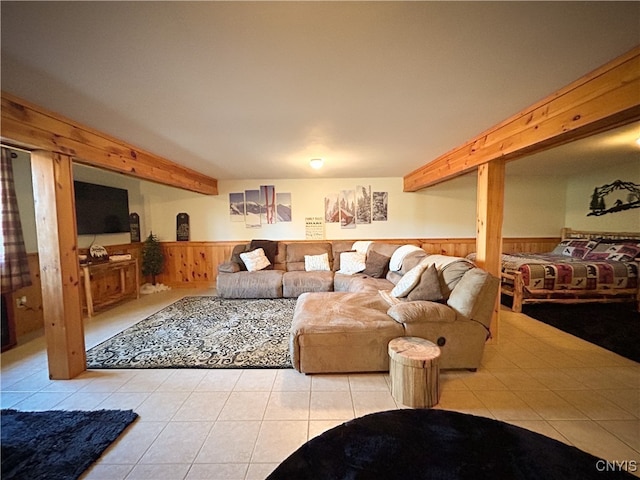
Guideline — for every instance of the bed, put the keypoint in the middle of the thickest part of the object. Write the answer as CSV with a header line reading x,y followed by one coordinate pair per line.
x,y
584,267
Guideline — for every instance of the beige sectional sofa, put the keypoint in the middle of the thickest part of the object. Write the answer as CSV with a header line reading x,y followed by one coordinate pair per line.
x,y
344,322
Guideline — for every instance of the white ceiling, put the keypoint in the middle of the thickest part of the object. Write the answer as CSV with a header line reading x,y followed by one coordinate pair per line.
x,y
243,90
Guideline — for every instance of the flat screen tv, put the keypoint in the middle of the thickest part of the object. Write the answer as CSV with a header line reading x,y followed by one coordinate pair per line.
x,y
101,209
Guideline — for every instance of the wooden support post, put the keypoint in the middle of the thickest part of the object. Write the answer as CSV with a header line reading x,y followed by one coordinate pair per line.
x,y
59,270
490,211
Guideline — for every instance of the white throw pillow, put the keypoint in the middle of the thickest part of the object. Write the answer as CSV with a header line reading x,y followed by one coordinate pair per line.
x,y
255,260
409,280
352,262
313,263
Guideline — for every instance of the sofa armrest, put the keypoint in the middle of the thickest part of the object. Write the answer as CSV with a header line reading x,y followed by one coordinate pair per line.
x,y
421,311
228,267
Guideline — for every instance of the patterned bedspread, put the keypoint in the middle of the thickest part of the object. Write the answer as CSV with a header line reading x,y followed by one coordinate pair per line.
x,y
559,272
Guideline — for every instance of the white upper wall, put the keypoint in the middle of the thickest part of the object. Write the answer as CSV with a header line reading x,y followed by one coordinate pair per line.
x,y
534,206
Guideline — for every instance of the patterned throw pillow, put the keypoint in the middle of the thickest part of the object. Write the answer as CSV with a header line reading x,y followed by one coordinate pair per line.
x,y
314,263
255,260
352,262
622,251
409,280
575,248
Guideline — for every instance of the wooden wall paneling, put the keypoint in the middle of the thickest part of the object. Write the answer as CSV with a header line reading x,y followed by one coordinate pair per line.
x,y
56,231
603,99
36,128
195,264
29,318
529,245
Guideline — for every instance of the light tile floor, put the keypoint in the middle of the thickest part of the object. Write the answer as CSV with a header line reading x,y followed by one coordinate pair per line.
x,y
239,424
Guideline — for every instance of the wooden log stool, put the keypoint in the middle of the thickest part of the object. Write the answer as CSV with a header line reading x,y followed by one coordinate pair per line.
x,y
414,371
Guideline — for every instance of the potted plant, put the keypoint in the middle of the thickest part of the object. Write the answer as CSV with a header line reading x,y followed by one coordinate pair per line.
x,y
152,257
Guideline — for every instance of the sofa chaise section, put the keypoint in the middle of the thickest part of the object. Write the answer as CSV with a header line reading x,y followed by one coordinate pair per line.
x,y
341,332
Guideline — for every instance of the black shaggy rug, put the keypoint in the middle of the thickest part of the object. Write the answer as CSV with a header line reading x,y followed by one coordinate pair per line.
x,y
614,326
57,444
204,332
438,444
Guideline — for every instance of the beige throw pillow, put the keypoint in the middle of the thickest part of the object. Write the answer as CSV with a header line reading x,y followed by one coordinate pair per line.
x,y
255,260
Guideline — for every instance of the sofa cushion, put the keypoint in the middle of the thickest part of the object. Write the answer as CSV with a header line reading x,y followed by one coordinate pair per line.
x,y
297,282
255,260
261,284
428,288
352,262
376,264
450,269
475,296
313,263
413,312
297,251
359,282
230,267
411,260
383,248
409,280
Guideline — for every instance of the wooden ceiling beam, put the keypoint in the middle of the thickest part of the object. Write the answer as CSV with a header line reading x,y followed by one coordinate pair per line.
x,y
601,100
35,128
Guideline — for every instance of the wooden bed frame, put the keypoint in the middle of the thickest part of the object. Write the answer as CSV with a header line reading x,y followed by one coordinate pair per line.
x,y
513,285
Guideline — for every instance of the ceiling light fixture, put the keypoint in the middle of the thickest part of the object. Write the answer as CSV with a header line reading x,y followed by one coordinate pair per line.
x,y
638,141
316,163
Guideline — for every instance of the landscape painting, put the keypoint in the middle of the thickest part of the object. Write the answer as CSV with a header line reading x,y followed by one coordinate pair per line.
x,y
236,206
379,206
268,204
283,201
348,209
363,204
252,208
332,208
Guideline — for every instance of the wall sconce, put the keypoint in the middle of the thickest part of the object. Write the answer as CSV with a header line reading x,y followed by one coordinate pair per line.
x,y
316,163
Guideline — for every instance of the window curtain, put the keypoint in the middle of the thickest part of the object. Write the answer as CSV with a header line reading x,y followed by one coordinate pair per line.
x,y
14,267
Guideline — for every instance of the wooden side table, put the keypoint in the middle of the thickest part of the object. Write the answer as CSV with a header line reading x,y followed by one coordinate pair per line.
x,y
414,371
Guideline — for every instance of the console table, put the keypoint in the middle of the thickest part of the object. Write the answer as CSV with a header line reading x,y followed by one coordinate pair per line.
x,y
96,269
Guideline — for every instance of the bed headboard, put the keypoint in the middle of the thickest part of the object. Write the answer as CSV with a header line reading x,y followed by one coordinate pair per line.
x,y
568,233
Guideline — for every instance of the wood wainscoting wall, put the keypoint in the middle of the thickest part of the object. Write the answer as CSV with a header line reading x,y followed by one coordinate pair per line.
x,y
194,264
28,317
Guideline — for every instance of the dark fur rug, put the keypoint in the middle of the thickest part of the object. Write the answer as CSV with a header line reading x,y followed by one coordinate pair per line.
x,y
57,444
438,444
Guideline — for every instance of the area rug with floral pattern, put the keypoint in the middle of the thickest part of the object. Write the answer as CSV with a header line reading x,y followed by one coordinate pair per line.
x,y
203,332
